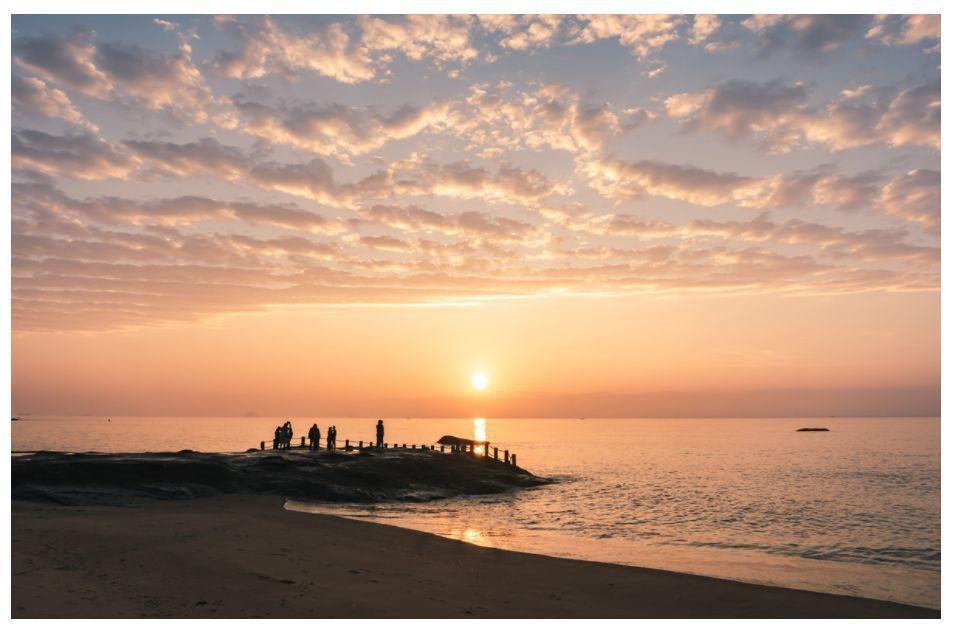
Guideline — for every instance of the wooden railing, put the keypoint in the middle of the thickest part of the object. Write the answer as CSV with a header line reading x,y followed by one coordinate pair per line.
x,y
489,452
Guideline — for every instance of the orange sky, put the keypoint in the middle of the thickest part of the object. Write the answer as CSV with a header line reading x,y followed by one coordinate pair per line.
x,y
418,360
621,215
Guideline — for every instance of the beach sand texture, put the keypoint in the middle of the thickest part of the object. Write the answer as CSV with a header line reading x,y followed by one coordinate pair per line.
x,y
239,556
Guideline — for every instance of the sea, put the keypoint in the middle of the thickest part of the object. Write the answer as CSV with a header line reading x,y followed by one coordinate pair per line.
x,y
854,510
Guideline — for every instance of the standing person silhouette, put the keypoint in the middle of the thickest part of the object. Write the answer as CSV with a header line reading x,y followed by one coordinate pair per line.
x,y
379,434
314,436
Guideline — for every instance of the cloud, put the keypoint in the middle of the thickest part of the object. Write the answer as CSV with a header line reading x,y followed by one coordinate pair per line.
x,y
852,193
337,130
106,262
67,61
348,52
622,181
42,200
641,34
498,117
32,96
526,32
870,246
906,30
461,180
314,180
914,196
156,80
266,48
205,156
119,72
77,156
166,24
806,35
443,38
779,116
742,109
468,225
559,119
704,26
874,245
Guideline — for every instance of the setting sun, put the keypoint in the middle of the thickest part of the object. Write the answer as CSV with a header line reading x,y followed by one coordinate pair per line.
x,y
480,381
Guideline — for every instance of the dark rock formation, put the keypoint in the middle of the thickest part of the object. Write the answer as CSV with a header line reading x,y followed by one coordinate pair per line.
x,y
365,476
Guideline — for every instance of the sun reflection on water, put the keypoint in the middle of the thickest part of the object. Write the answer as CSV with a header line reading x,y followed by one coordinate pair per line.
x,y
472,536
479,434
479,429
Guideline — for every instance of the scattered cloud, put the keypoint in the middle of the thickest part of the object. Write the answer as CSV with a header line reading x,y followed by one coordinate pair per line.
x,y
296,162
914,196
906,30
779,116
31,96
76,156
123,73
641,34
336,130
266,47
806,35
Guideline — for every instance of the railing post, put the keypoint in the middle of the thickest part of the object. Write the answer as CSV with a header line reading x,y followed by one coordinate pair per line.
x,y
303,441
433,447
441,449
262,444
346,444
361,444
506,456
486,450
496,454
513,460
394,445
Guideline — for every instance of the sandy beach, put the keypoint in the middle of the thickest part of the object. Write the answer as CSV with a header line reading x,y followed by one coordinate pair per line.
x,y
244,556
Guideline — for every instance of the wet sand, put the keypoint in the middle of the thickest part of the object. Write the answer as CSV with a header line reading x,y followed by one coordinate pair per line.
x,y
242,556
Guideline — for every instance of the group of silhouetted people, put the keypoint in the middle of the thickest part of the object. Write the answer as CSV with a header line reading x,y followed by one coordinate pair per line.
x,y
313,436
284,434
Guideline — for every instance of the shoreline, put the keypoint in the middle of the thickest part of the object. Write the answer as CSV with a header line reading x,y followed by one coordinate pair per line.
x,y
246,556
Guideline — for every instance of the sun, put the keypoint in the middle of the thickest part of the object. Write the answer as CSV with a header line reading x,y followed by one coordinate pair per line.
x,y
480,381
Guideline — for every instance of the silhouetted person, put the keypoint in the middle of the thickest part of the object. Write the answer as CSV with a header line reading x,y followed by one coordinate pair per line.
x,y
287,433
329,437
379,434
277,437
334,437
314,436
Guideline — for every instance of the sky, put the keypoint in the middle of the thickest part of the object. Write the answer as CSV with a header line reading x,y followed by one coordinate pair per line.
x,y
634,215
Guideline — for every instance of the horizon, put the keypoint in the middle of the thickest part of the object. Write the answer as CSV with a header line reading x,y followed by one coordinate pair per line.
x,y
834,401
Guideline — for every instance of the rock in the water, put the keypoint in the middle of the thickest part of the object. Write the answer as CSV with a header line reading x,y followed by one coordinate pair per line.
x,y
407,475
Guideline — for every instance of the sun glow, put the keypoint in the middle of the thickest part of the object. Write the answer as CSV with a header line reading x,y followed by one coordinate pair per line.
x,y
480,381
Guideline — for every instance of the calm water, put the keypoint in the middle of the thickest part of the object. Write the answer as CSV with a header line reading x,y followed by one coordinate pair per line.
x,y
855,510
